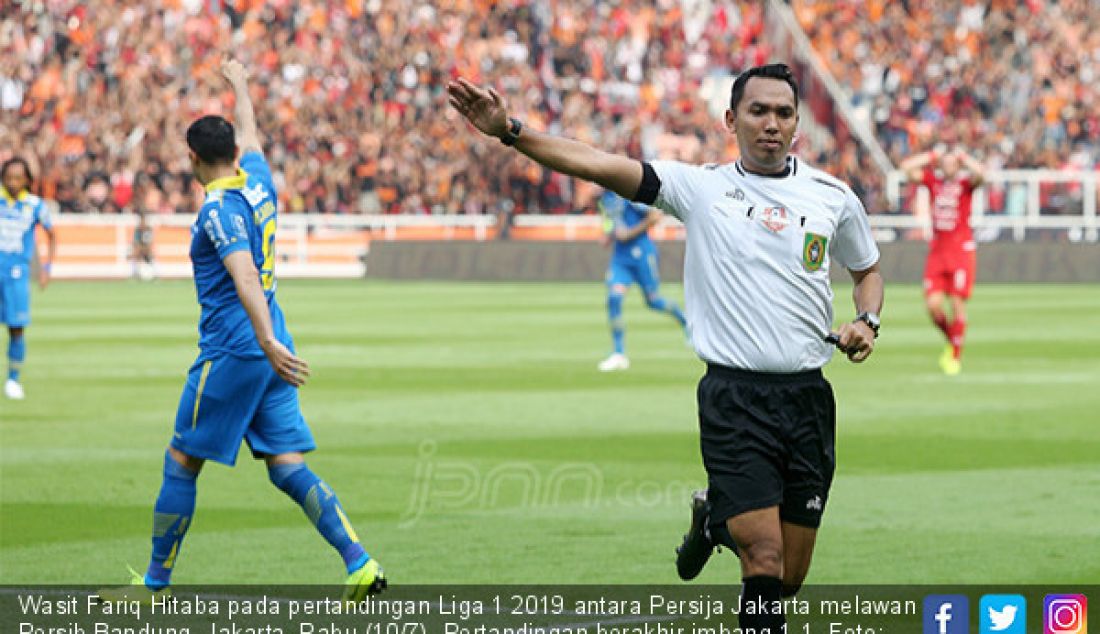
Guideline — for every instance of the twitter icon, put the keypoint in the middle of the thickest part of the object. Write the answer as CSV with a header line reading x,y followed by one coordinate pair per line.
x,y
1003,614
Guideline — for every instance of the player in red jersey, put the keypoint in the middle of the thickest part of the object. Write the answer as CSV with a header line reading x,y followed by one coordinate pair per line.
x,y
952,261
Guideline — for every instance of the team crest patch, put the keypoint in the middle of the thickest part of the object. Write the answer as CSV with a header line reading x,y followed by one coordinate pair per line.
x,y
775,218
813,251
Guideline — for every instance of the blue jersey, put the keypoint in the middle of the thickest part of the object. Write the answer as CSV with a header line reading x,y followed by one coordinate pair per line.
x,y
621,213
18,218
239,213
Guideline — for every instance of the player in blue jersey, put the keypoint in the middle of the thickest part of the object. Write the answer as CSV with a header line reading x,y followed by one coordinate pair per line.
x,y
20,212
244,383
633,259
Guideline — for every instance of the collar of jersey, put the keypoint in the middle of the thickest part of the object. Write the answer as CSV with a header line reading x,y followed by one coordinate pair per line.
x,y
228,182
8,197
791,168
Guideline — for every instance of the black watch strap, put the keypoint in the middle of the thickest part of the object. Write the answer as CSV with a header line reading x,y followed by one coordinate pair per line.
x,y
872,321
511,135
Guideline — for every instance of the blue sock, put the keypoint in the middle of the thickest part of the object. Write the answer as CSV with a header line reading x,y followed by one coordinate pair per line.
x,y
17,351
323,509
615,318
661,304
171,519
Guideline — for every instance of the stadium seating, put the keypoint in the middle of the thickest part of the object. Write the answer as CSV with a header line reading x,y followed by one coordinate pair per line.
x,y
351,93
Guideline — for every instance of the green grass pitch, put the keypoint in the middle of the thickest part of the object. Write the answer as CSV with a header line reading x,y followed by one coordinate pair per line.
x,y
470,438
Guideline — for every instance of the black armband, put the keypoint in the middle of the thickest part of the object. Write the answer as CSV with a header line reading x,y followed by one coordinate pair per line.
x,y
650,187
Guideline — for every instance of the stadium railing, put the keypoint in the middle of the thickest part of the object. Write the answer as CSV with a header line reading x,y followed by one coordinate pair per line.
x,y
1011,205
1014,205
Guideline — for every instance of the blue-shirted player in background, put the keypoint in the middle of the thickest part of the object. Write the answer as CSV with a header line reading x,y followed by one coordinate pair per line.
x,y
244,382
20,212
633,259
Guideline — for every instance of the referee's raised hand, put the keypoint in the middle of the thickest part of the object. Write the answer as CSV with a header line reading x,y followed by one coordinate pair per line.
x,y
482,107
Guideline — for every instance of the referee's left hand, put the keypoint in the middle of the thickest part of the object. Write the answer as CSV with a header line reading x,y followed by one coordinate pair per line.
x,y
857,340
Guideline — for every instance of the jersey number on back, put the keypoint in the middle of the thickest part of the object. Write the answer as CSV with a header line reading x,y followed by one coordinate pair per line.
x,y
267,269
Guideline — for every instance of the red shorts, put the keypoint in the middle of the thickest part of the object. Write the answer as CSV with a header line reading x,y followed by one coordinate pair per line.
x,y
950,272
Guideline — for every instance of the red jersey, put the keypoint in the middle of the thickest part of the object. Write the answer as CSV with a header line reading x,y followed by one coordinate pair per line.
x,y
950,203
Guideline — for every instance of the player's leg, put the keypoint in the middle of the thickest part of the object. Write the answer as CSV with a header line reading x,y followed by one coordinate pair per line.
x,y
618,280
741,445
759,538
280,435
15,303
810,433
172,513
962,284
933,301
217,401
935,287
17,352
938,280
650,281
798,551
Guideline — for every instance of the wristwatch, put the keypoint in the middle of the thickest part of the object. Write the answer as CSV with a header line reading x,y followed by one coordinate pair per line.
x,y
871,319
511,134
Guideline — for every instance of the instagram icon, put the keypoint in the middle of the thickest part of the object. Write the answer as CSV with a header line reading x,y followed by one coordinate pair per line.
x,y
1065,614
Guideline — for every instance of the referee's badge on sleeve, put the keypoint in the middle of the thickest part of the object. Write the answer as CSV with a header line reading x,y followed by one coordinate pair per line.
x,y
813,251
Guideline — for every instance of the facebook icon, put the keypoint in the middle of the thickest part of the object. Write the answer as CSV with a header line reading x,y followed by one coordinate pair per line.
x,y
946,614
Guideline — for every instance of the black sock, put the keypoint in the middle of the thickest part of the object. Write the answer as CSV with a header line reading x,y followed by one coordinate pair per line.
x,y
761,610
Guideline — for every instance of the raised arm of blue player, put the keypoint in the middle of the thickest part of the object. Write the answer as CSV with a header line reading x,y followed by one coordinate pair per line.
x,y
248,136
246,279
485,110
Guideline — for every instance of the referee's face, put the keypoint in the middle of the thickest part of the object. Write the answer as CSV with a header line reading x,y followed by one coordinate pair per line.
x,y
764,122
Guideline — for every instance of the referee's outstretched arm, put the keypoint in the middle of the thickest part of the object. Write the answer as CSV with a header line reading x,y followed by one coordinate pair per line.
x,y
486,110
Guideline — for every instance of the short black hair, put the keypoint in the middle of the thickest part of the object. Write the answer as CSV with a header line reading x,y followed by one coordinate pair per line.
x,y
212,139
781,72
18,160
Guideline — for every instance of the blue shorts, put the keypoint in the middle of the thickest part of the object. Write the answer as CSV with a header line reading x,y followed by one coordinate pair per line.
x,y
228,399
15,301
642,270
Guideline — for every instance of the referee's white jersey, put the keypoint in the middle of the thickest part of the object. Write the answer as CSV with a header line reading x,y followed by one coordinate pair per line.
x,y
759,249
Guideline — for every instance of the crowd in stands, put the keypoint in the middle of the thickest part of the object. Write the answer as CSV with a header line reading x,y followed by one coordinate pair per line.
x,y
351,93
1016,83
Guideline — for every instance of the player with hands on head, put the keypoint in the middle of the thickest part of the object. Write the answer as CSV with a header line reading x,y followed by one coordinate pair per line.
x,y
952,264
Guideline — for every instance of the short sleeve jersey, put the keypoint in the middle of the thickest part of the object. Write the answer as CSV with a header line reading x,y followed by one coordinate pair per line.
x,y
238,214
18,218
759,250
622,213
951,205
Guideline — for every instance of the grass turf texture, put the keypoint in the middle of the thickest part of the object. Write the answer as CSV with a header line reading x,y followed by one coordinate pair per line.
x,y
470,438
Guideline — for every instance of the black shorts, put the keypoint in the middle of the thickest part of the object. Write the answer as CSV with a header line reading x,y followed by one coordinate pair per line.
x,y
767,440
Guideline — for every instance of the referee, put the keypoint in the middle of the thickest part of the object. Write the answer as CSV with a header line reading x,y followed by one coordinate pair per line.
x,y
762,234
